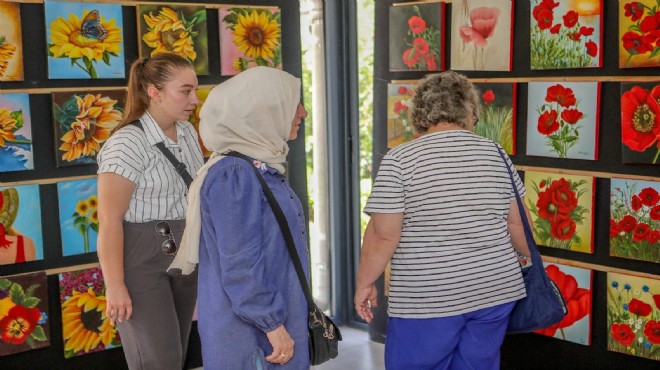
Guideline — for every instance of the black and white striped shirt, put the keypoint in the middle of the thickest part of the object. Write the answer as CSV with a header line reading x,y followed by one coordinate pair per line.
x,y
160,192
455,254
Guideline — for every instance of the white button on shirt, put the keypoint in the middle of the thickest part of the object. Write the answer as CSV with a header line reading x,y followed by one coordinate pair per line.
x,y
160,192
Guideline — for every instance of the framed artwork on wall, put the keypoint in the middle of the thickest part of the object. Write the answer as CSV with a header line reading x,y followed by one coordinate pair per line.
x,y
249,37
11,42
640,122
575,285
20,224
498,115
16,147
635,219
638,33
482,33
417,40
179,29
85,327
202,94
563,119
566,34
83,121
79,220
633,308
562,209
399,101
24,321
85,40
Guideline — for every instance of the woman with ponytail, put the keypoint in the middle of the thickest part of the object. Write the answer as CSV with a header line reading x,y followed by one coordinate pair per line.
x,y
141,208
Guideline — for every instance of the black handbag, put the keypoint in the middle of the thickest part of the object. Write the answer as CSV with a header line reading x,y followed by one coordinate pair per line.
x,y
544,305
324,335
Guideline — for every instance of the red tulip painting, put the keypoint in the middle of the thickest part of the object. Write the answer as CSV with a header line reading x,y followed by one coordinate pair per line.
x,y
635,219
481,36
633,315
562,210
566,34
498,116
417,37
639,33
562,119
399,101
575,285
640,122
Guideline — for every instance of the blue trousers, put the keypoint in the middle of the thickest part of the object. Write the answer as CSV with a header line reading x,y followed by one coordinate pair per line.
x,y
462,342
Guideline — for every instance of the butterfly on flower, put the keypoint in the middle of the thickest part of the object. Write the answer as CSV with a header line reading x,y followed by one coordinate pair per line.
x,y
92,27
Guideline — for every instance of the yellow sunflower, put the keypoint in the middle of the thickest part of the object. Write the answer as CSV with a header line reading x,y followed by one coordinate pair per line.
x,y
256,35
82,207
67,41
92,201
7,126
6,53
93,126
168,34
238,65
94,216
84,323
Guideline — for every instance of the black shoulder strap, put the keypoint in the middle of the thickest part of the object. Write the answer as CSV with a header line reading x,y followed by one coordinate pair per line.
x,y
179,167
284,226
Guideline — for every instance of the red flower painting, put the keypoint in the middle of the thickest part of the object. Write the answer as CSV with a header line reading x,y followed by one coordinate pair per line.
x,y
640,119
559,119
640,33
20,322
622,334
422,43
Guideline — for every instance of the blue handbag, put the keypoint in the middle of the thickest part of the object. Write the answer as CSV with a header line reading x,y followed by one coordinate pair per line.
x,y
544,305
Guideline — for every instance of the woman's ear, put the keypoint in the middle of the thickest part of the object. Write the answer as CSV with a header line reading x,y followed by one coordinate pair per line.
x,y
153,92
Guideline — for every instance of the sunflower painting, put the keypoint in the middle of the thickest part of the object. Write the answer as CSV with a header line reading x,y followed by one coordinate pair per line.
x,y
83,122
15,133
249,37
177,29
640,122
11,45
84,40
21,238
79,221
202,94
85,327
24,322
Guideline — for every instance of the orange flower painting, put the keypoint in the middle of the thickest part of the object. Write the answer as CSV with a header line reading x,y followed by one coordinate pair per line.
x,y
11,43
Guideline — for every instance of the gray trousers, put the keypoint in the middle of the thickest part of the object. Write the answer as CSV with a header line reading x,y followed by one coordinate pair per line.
x,y
156,336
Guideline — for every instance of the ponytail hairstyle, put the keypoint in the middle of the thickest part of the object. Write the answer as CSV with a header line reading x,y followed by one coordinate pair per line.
x,y
155,71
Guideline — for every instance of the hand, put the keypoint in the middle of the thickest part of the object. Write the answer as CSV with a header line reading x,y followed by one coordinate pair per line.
x,y
365,299
118,303
282,346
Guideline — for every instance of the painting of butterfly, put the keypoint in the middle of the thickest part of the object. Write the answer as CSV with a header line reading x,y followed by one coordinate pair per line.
x,y
84,41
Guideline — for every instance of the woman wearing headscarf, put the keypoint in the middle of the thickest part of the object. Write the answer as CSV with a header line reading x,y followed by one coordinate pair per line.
x,y
252,311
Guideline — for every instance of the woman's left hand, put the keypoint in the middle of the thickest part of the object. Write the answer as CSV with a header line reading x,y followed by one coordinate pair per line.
x,y
365,299
282,345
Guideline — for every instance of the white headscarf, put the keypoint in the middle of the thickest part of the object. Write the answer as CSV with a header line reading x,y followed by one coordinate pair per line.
x,y
250,113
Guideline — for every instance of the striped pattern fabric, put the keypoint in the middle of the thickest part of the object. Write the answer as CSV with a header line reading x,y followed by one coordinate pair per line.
x,y
160,192
455,254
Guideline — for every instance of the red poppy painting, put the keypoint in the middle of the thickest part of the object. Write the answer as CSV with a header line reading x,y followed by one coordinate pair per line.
x,y
633,315
575,285
566,34
639,33
399,102
483,32
498,116
417,37
640,122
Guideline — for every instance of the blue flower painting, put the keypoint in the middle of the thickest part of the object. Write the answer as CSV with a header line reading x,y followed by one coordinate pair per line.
x,y
79,221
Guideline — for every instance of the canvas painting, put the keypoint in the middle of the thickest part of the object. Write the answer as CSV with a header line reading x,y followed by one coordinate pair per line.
x,y
417,40
20,224
16,148
635,219
633,315
575,285
638,33
83,121
566,34
24,322
640,122
85,327
482,33
85,40
562,209
179,29
498,116
202,94
563,119
11,42
79,221
399,101
249,37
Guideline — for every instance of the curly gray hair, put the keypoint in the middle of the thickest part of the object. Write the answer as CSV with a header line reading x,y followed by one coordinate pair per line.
x,y
445,97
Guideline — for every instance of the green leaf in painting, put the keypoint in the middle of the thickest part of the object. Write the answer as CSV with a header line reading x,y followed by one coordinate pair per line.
x,y
230,18
31,302
31,289
5,283
39,334
18,116
16,294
